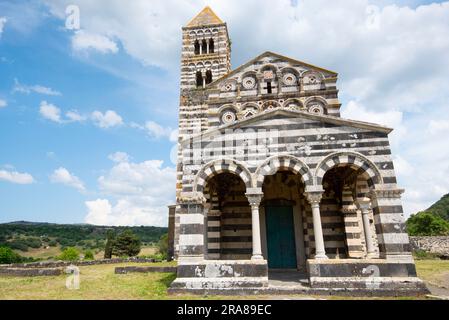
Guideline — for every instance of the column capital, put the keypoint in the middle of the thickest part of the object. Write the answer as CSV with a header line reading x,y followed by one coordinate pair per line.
x,y
364,204
254,198
314,197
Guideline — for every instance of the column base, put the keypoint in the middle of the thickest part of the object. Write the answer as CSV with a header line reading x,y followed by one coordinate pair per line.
x,y
321,256
372,255
257,257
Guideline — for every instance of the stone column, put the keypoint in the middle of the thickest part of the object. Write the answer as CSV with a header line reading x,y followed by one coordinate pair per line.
x,y
204,79
279,78
259,79
365,206
254,200
314,199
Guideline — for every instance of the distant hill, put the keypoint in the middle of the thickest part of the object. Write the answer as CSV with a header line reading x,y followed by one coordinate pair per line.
x,y
23,235
441,207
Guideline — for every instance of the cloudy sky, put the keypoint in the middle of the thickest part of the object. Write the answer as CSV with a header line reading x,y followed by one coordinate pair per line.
x,y
88,116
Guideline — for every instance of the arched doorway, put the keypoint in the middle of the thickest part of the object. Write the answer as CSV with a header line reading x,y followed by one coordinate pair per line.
x,y
282,215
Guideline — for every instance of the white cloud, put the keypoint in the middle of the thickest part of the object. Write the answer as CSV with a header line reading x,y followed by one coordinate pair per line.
x,y
63,176
27,89
3,103
119,157
83,40
50,112
16,177
103,120
156,131
141,193
438,126
74,116
106,120
2,24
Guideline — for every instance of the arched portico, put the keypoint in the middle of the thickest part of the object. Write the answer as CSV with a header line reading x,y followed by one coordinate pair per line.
x,y
346,179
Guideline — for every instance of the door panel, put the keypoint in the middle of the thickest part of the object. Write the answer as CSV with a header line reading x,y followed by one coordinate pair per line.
x,y
280,237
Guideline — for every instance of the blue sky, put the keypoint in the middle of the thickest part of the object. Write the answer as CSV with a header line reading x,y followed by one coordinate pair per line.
x,y
88,117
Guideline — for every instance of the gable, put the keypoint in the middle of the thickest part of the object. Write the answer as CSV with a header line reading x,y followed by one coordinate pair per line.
x,y
276,63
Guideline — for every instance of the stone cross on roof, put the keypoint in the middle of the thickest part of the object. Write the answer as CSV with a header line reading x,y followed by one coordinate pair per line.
x,y
205,17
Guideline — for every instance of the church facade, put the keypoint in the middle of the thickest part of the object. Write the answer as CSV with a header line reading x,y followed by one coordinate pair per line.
x,y
271,178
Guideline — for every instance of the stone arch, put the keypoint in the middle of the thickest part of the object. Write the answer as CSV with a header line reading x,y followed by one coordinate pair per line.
x,y
216,167
268,66
247,74
270,105
275,163
364,166
226,107
293,101
289,70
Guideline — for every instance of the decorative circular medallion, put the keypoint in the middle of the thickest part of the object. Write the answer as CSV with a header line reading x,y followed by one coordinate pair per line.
x,y
228,117
289,79
249,83
316,109
312,79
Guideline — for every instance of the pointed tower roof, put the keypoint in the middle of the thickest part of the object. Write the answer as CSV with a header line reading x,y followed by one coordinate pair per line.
x,y
205,17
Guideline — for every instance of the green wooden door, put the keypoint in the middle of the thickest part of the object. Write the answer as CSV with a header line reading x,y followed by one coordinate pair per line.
x,y
280,237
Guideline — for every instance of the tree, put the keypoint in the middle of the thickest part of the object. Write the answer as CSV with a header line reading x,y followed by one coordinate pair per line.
x,y
427,224
126,244
162,245
70,254
89,255
109,244
8,256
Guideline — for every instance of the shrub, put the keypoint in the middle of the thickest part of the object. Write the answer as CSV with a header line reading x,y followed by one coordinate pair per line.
x,y
162,246
53,243
18,245
420,254
33,242
89,255
427,224
70,254
126,244
8,256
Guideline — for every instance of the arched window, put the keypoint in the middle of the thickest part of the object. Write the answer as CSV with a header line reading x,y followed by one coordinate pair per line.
x,y
204,46
197,47
211,45
199,79
208,76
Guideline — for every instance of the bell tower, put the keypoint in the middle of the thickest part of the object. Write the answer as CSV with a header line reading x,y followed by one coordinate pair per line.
x,y
205,57
206,50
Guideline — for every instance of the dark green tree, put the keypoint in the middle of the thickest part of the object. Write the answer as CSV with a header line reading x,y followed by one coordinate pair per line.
x,y
127,244
427,224
108,249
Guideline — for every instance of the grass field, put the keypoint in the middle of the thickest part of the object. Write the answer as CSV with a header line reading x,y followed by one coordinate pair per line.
x,y
100,282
